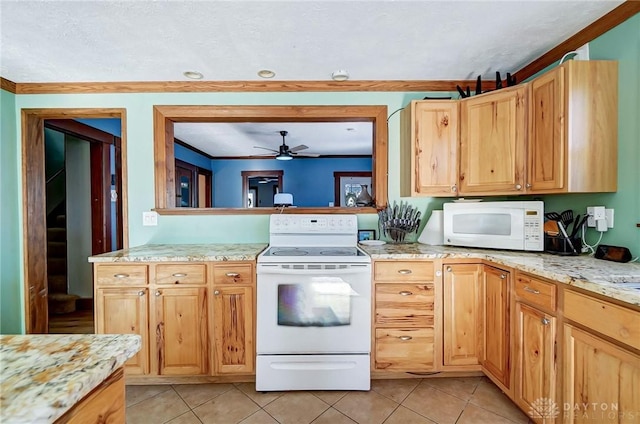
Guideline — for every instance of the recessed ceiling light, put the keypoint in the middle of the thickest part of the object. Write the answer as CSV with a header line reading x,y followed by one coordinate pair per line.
x,y
351,129
340,75
266,73
192,74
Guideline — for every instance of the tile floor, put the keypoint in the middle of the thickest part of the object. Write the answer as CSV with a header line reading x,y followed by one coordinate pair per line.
x,y
471,400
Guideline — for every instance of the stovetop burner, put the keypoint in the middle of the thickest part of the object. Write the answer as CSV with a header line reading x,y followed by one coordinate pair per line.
x,y
288,252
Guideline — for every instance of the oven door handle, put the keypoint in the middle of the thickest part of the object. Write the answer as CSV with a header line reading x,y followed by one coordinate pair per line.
x,y
344,271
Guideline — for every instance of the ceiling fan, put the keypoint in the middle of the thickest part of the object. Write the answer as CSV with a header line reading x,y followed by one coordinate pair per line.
x,y
286,153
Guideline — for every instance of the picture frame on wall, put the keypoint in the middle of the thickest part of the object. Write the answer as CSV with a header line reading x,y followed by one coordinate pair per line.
x,y
366,235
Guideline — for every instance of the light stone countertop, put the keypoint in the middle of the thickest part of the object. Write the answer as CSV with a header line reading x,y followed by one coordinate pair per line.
x,y
183,253
596,275
43,376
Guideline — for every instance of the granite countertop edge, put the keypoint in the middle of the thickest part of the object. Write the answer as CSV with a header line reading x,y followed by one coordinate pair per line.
x,y
183,253
43,376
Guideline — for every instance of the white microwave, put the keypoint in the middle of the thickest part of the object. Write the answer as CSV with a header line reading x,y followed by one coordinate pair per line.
x,y
496,225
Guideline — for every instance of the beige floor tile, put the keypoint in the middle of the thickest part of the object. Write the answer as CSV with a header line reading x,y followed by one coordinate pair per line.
x,y
404,415
396,390
462,387
188,418
434,404
489,396
197,394
329,396
158,409
296,408
333,416
135,394
261,398
259,417
366,407
476,415
228,408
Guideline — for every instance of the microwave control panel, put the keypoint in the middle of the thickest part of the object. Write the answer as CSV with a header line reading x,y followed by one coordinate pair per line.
x,y
533,231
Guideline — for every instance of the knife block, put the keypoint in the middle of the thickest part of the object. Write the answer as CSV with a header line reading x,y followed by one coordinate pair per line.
x,y
559,245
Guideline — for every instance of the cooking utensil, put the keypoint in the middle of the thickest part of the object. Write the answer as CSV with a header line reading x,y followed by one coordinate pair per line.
x,y
566,236
567,217
554,216
576,228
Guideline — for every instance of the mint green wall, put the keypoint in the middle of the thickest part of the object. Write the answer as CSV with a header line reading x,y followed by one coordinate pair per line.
x,y
622,44
11,321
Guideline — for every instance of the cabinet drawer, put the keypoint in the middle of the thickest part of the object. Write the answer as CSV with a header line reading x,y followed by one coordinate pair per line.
x,y
611,320
404,349
403,271
121,275
233,274
404,304
536,291
181,274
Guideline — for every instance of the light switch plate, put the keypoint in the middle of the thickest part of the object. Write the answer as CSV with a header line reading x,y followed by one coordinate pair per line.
x,y
149,219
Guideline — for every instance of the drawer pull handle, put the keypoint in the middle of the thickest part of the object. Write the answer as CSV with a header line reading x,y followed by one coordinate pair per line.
x,y
232,274
530,290
121,275
405,338
404,271
179,274
158,293
405,293
545,321
217,292
141,293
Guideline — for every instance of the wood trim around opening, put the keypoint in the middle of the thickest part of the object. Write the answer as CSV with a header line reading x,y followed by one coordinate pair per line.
x,y
8,85
165,116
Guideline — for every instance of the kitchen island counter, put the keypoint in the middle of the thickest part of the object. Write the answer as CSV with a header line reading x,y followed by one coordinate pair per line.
x,y
183,253
43,376
595,275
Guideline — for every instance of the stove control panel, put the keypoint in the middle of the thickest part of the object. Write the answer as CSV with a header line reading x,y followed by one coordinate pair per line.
x,y
327,224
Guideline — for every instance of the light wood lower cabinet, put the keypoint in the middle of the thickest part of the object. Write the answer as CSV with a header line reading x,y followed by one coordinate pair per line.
x,y
496,352
233,330
601,380
462,311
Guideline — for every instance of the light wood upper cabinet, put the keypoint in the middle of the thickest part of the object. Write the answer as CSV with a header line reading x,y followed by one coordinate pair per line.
x,y
462,314
492,142
573,129
496,354
180,328
429,148
124,310
233,329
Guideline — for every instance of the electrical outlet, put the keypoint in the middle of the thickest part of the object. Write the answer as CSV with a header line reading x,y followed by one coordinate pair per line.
x,y
149,219
594,214
608,215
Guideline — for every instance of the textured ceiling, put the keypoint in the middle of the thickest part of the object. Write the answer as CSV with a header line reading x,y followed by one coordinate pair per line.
x,y
85,41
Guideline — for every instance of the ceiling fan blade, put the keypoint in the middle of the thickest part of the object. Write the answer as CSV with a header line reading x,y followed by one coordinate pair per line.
x,y
265,148
309,155
298,148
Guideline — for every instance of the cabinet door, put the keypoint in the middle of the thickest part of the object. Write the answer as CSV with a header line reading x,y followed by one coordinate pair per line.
x,y
495,322
546,148
181,331
601,380
429,134
462,309
492,142
124,311
233,330
535,378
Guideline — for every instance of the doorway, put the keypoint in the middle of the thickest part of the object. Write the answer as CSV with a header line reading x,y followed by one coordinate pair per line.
x,y
36,214
259,187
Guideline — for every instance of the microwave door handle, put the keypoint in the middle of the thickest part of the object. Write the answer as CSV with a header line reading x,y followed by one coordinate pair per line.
x,y
276,269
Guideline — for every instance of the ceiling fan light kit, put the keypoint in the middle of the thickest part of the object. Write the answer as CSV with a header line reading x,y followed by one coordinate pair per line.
x,y
340,75
286,153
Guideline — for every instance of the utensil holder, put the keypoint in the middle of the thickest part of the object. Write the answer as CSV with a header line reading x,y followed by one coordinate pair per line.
x,y
559,245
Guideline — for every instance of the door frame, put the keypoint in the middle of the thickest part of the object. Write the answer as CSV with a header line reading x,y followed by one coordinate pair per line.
x,y
272,173
34,206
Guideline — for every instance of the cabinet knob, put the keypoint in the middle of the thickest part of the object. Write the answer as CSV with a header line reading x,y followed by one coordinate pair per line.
x,y
503,276
438,273
545,321
405,338
158,293
179,274
530,290
121,275
449,269
528,185
141,293
454,188
518,186
216,292
232,274
405,293
404,271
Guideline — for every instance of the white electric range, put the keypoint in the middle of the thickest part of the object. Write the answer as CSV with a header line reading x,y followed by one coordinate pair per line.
x,y
313,306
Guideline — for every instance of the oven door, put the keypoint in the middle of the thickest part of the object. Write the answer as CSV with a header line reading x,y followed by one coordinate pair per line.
x,y
313,308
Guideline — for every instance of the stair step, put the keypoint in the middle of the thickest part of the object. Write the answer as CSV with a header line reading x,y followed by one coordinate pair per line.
x,y
61,221
57,266
57,249
57,284
56,234
62,303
